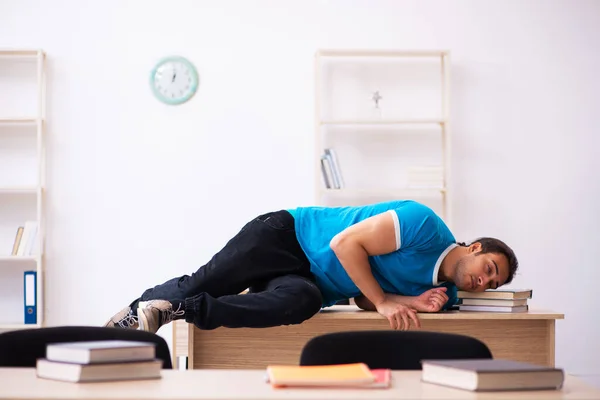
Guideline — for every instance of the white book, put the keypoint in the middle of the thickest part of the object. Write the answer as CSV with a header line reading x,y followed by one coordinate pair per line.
x,y
31,239
69,372
28,230
492,375
494,302
101,351
337,172
507,309
325,173
327,170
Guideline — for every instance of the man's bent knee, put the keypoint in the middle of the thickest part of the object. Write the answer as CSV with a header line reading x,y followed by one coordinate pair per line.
x,y
308,302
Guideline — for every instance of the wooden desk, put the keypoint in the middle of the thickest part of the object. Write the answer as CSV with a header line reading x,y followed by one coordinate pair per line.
x,y
525,337
21,383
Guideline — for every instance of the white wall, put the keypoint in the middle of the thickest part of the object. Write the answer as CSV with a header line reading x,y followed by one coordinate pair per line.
x,y
140,192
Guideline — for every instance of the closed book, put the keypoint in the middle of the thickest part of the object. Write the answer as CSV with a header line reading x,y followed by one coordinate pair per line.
x,y
70,372
494,302
356,374
505,309
497,294
491,375
101,351
17,241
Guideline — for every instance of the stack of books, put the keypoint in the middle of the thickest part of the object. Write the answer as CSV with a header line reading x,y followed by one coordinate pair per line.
x,y
355,375
105,360
496,300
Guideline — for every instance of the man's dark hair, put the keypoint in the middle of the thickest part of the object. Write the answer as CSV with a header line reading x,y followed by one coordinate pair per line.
x,y
496,246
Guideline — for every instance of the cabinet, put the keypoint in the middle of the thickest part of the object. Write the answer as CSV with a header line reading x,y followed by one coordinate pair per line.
x,y
22,186
385,116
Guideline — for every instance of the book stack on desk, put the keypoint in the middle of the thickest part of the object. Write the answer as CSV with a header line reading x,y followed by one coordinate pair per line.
x,y
492,375
496,300
105,360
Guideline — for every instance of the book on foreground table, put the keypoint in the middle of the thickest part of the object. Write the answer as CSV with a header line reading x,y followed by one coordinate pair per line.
x,y
491,375
90,352
356,375
72,372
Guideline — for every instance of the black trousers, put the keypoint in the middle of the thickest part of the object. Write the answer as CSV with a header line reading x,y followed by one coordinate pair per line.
x,y
266,258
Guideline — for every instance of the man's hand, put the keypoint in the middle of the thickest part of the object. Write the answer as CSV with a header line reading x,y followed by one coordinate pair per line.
x,y
430,301
399,315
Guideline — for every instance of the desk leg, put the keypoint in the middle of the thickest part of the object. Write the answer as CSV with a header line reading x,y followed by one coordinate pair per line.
x,y
181,344
550,328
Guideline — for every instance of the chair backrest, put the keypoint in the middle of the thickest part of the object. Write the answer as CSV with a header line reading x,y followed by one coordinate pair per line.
x,y
23,347
399,350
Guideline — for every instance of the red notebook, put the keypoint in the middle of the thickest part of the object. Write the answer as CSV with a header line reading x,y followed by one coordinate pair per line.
x,y
383,378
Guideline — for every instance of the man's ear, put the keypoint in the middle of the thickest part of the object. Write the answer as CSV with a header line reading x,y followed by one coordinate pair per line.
x,y
475,247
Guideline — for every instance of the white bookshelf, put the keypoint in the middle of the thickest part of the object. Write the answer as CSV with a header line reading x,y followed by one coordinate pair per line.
x,y
22,178
382,146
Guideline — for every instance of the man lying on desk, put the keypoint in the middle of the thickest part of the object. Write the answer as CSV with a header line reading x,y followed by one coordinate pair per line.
x,y
396,258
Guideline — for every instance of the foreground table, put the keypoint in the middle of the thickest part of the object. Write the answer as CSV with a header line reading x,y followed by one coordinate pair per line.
x,y
21,383
527,337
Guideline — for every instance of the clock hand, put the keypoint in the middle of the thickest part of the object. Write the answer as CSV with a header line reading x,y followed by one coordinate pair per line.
x,y
174,75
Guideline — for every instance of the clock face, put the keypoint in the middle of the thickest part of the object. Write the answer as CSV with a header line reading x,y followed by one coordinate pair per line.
x,y
174,80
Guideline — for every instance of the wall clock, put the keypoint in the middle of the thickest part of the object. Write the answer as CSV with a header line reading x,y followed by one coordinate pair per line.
x,y
174,80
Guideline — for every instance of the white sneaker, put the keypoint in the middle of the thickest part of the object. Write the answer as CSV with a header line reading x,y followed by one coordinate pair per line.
x,y
155,313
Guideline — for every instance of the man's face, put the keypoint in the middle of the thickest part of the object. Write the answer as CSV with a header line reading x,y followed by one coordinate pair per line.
x,y
476,271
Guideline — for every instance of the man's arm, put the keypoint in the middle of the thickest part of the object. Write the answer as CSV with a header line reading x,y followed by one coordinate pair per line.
x,y
432,300
365,304
353,246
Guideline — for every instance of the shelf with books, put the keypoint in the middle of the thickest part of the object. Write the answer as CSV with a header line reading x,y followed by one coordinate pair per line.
x,y
22,183
385,116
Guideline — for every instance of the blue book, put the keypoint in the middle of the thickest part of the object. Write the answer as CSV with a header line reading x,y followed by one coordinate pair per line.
x,y
30,296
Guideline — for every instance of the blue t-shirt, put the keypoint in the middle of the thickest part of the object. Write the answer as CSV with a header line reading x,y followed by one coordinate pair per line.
x,y
422,242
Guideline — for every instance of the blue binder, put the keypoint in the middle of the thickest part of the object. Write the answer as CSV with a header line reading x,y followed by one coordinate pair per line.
x,y
30,296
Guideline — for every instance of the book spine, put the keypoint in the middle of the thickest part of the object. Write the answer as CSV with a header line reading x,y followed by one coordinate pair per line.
x,y
325,170
336,167
17,242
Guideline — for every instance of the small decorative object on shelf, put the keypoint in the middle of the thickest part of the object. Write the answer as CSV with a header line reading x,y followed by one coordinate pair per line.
x,y
376,110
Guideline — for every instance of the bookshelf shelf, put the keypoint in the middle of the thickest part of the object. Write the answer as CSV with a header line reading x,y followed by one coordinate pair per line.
x,y
18,190
384,122
17,326
416,192
18,258
12,54
375,112
380,53
20,52
22,191
18,120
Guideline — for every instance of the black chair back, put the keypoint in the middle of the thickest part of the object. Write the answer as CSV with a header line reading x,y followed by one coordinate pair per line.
x,y
22,348
399,350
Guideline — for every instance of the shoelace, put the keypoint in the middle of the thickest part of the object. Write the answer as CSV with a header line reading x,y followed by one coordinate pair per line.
x,y
167,315
129,320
